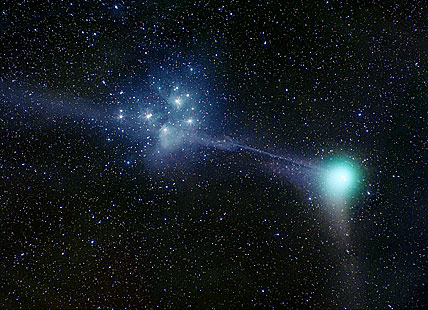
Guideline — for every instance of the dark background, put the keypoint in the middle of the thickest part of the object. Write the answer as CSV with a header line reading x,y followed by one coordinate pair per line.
x,y
310,78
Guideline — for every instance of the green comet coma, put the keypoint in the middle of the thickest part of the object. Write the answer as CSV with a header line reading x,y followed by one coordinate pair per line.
x,y
340,179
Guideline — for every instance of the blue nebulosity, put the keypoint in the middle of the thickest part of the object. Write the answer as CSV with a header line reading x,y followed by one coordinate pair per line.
x,y
199,154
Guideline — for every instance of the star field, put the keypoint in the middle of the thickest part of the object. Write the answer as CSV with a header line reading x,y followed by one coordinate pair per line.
x,y
209,154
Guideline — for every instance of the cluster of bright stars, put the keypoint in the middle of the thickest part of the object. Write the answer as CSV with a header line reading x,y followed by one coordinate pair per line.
x,y
177,102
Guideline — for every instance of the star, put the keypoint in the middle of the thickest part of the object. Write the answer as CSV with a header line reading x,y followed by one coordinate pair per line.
x,y
183,156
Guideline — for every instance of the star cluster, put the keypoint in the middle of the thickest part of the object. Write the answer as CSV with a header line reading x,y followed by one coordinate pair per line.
x,y
213,154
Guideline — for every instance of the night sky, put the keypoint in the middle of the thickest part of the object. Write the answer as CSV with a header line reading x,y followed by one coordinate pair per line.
x,y
209,154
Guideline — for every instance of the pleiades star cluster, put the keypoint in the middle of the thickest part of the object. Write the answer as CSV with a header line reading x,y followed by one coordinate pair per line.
x,y
214,154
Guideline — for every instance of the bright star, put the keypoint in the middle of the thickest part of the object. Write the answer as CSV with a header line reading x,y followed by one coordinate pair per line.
x,y
190,121
149,116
